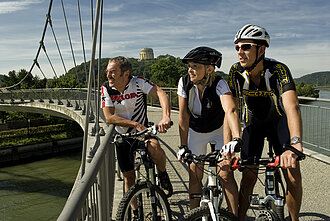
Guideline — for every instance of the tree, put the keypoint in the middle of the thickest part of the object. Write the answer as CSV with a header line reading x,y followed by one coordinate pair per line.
x,y
306,90
167,71
29,82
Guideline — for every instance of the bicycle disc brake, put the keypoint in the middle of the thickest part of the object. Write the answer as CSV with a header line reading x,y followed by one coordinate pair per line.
x,y
267,215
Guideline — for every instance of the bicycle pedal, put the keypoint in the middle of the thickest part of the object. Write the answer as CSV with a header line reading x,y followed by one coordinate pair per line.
x,y
254,199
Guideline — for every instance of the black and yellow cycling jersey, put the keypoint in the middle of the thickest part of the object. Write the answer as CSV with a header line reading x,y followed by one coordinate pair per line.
x,y
262,102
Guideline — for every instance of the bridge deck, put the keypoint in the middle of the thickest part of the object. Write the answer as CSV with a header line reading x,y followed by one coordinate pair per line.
x,y
316,183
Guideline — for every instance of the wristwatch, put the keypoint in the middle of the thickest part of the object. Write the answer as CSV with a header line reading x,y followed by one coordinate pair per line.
x,y
295,140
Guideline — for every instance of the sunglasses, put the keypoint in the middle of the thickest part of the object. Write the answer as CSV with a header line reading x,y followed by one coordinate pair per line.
x,y
245,47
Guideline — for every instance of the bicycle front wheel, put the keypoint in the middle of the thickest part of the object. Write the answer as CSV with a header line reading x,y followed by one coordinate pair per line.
x,y
148,207
203,213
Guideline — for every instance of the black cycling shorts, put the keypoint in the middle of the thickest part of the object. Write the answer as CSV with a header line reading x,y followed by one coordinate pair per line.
x,y
125,153
277,132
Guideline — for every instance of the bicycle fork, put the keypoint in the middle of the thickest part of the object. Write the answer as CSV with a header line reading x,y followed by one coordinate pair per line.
x,y
211,194
273,202
151,182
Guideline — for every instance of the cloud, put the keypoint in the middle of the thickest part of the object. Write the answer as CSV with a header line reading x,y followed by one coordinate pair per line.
x,y
299,29
13,6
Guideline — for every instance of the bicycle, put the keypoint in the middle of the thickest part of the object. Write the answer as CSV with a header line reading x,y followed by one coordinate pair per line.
x,y
212,191
151,200
271,206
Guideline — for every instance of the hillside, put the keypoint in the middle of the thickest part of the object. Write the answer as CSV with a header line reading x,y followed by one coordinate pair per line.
x,y
317,79
1,78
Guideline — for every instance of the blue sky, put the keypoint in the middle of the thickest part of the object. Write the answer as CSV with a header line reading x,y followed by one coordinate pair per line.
x,y
299,30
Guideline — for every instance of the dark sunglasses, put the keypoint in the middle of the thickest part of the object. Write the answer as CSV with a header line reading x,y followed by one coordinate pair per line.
x,y
245,47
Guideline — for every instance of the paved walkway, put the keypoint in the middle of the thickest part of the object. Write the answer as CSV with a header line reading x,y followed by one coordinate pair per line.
x,y
316,180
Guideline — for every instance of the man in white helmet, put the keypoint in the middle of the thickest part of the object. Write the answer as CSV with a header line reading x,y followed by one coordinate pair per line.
x,y
262,82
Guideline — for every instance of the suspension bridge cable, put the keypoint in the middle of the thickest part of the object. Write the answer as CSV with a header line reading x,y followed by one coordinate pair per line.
x,y
57,45
92,17
60,53
82,40
38,52
49,61
71,47
97,126
84,151
52,89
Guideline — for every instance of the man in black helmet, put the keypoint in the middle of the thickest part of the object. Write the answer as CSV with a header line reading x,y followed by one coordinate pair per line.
x,y
204,101
262,82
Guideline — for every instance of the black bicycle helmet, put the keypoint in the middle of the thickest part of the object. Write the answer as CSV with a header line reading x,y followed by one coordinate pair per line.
x,y
204,55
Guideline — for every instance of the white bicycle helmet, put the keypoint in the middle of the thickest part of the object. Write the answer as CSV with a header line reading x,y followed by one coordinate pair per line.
x,y
253,32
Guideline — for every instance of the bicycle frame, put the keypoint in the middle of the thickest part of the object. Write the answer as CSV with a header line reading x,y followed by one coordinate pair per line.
x,y
272,205
212,195
145,160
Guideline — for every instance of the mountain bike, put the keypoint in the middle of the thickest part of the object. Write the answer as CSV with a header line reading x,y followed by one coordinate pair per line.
x,y
212,191
151,200
271,206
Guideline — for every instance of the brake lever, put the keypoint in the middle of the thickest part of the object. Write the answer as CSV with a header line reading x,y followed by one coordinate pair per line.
x,y
301,155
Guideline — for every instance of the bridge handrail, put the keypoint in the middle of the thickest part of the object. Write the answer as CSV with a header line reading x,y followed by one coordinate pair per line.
x,y
78,196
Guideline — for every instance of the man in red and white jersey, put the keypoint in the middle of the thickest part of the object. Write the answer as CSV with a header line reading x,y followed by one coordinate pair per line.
x,y
124,105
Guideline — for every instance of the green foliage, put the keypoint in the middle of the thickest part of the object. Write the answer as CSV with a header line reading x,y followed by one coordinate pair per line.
x,y
222,74
306,90
30,82
317,79
39,134
1,79
43,128
166,71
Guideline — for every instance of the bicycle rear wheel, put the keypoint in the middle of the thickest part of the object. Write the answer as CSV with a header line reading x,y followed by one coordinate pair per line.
x,y
203,212
141,194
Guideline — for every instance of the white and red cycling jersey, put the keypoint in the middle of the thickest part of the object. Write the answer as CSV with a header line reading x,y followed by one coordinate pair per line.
x,y
131,104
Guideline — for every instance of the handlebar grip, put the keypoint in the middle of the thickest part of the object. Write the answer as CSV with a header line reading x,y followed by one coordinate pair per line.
x,y
301,155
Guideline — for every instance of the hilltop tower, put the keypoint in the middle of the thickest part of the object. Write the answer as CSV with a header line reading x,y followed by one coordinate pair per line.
x,y
146,54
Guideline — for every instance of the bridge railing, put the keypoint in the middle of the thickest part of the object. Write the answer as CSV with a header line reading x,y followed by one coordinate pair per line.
x,y
45,95
92,196
315,113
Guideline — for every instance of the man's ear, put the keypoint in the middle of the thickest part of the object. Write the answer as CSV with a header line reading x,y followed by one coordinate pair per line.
x,y
262,50
127,73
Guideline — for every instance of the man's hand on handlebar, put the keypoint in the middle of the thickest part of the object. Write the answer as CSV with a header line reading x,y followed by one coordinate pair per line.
x,y
164,124
290,155
140,127
288,159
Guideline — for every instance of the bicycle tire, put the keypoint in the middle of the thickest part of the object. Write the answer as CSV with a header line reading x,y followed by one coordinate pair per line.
x,y
200,212
142,190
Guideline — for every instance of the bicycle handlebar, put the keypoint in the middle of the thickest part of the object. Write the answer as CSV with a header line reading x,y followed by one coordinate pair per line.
x,y
270,161
210,157
152,130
